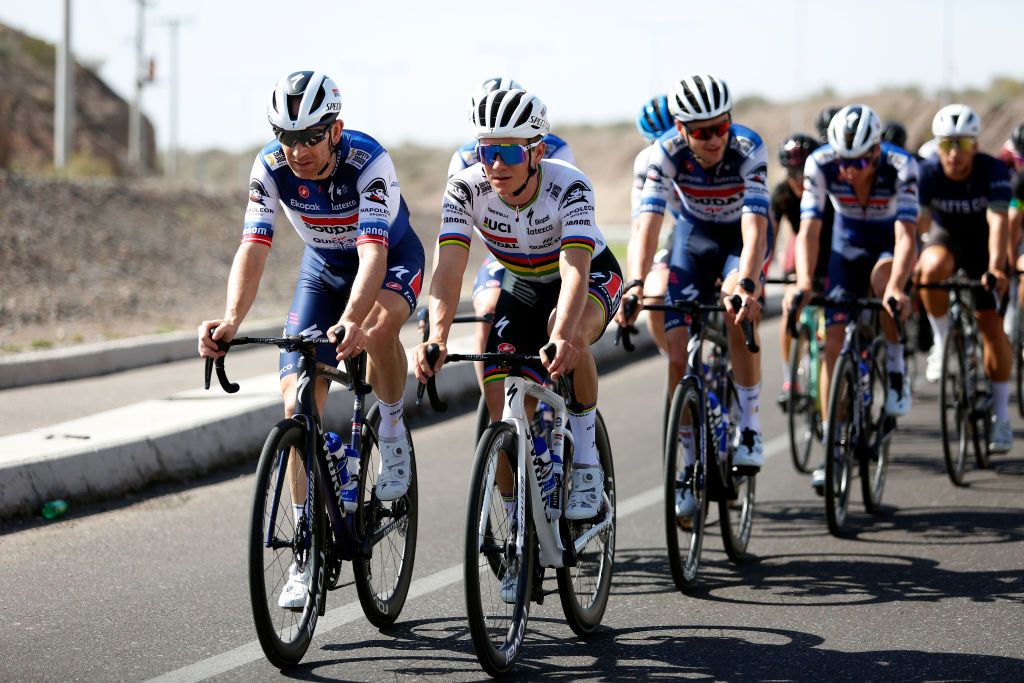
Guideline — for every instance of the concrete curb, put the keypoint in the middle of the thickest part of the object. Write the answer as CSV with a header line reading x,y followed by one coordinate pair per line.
x,y
191,434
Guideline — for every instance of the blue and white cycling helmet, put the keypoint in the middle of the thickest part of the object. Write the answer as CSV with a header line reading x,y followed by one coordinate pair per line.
x,y
854,131
699,98
304,99
654,118
489,86
956,121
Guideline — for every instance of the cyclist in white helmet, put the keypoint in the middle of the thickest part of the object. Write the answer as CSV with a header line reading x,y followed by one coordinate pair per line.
x,y
873,187
964,197
361,270
719,170
536,216
491,273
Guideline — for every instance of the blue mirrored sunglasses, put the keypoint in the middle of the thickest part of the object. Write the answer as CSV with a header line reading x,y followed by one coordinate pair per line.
x,y
861,163
508,153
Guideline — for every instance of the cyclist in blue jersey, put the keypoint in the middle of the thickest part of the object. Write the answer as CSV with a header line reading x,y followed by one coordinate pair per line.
x,y
1013,156
964,199
719,170
491,273
873,187
361,270
652,122
536,216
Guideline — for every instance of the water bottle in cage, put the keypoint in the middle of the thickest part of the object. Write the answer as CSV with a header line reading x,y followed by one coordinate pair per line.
x,y
719,427
346,461
865,379
549,474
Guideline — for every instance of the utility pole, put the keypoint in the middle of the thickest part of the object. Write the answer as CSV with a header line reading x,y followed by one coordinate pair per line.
x,y
947,54
171,170
135,154
64,87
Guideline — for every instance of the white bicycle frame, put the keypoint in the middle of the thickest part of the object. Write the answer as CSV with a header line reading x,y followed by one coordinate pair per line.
x,y
552,551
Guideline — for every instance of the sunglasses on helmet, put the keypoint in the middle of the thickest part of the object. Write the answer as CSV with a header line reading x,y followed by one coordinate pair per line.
x,y
963,144
308,137
718,130
509,154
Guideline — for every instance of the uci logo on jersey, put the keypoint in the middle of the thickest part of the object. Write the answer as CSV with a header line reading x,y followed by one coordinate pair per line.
x,y
497,226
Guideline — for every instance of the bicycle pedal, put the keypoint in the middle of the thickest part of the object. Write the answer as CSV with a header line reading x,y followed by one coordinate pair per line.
x,y
745,470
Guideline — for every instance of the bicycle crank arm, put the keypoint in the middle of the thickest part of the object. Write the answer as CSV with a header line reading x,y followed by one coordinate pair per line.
x,y
582,541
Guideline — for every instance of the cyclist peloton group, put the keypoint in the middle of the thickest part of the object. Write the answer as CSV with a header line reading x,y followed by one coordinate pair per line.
x,y
855,201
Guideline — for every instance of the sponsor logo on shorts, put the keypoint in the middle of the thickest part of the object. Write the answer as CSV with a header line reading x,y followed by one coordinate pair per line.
x,y
393,285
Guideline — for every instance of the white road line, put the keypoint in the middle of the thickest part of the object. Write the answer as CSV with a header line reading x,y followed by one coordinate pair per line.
x,y
340,616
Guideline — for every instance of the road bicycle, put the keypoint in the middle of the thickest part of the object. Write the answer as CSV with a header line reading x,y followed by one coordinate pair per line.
x,y
512,526
859,430
965,398
378,538
705,398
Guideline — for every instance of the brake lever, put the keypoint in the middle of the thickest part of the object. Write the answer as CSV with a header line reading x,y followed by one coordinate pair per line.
x,y
748,327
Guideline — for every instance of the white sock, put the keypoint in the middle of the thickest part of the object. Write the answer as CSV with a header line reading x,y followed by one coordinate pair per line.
x,y
785,372
1001,399
297,510
940,328
391,424
894,361
689,449
584,434
749,417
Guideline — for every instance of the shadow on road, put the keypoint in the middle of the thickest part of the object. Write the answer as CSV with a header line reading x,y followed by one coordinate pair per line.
x,y
442,648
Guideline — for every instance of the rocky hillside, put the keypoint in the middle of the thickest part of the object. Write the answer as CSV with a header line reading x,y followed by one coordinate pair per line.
x,y
27,67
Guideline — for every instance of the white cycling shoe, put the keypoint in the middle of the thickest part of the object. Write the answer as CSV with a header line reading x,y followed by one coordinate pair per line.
x,y
933,365
587,495
749,450
686,503
897,398
1002,436
293,595
509,585
395,468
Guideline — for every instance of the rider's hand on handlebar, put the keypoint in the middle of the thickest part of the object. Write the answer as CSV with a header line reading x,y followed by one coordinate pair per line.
x,y
1002,283
750,309
901,298
565,360
420,365
353,341
223,330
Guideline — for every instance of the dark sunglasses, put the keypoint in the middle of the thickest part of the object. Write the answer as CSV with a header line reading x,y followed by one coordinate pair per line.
x,y
859,163
963,144
509,154
308,137
718,130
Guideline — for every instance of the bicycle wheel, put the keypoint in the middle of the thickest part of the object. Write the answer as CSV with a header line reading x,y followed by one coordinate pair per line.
x,y
496,627
803,415
840,443
1018,357
955,423
584,588
874,464
736,516
276,541
387,529
685,536
483,419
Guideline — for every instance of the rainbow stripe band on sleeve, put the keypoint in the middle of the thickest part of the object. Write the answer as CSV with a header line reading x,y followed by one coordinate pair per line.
x,y
453,238
578,242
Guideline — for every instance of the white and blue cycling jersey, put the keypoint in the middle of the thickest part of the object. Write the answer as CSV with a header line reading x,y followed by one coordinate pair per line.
x,y
360,202
720,195
869,226
640,166
554,148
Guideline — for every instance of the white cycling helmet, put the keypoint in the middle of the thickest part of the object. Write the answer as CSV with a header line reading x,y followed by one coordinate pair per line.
x,y
956,121
304,99
489,86
698,98
510,114
854,131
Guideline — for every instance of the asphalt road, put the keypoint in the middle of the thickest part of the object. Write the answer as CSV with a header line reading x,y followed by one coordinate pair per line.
x,y
932,588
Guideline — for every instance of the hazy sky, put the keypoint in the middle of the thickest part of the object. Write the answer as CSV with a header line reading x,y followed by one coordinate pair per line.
x,y
406,68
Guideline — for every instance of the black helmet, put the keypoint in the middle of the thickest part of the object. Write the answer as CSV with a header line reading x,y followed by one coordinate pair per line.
x,y
894,132
795,149
1017,139
825,118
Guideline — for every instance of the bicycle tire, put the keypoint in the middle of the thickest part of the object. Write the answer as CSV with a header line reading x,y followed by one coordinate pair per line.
x,y
736,517
483,419
497,629
684,545
840,443
597,558
801,412
873,469
1018,357
955,410
284,634
383,575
